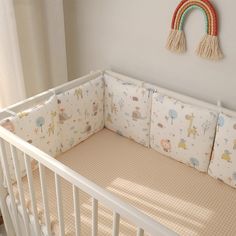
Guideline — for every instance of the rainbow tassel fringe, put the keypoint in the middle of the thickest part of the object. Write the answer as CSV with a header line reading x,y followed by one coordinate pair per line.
x,y
209,47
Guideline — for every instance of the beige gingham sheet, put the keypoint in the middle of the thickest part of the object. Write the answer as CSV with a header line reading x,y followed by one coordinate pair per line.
x,y
187,201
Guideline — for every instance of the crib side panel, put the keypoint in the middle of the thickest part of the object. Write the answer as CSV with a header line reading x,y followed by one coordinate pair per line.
x,y
140,221
18,204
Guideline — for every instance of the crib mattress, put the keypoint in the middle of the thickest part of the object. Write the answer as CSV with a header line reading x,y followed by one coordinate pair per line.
x,y
178,196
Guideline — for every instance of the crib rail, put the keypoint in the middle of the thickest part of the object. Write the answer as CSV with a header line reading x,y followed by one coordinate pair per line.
x,y
218,107
120,209
34,100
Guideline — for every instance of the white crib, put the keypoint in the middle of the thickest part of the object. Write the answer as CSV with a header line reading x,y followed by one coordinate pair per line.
x,y
14,225
30,226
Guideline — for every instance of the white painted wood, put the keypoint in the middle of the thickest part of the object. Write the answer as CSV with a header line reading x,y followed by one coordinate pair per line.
x,y
4,113
170,93
29,102
69,85
102,195
94,217
45,198
76,210
116,224
9,186
76,82
4,209
20,188
59,205
32,194
140,232
142,221
5,214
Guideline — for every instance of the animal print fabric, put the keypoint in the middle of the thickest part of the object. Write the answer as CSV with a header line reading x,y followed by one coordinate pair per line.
x,y
182,131
223,161
127,109
38,126
81,112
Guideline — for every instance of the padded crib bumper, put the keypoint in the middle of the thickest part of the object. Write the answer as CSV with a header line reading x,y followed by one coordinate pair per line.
x,y
142,112
195,133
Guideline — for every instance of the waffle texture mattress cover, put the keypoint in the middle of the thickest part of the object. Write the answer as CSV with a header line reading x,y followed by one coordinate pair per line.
x,y
181,198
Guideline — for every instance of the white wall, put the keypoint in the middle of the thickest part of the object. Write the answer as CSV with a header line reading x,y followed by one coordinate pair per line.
x,y
129,36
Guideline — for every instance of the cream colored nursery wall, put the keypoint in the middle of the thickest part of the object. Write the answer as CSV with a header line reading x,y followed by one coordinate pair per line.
x,y
40,27
129,36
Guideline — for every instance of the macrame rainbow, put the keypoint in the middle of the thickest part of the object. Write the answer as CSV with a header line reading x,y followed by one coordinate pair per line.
x,y
209,46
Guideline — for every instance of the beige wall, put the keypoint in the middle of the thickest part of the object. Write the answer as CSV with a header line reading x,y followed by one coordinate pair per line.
x,y
129,36
40,26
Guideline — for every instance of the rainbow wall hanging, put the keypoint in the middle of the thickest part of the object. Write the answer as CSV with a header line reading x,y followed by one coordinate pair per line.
x,y
209,46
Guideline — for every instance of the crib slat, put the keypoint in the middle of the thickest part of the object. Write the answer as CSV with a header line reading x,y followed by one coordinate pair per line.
x,y
140,232
4,211
32,193
45,199
94,217
116,224
76,210
9,186
20,187
59,205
